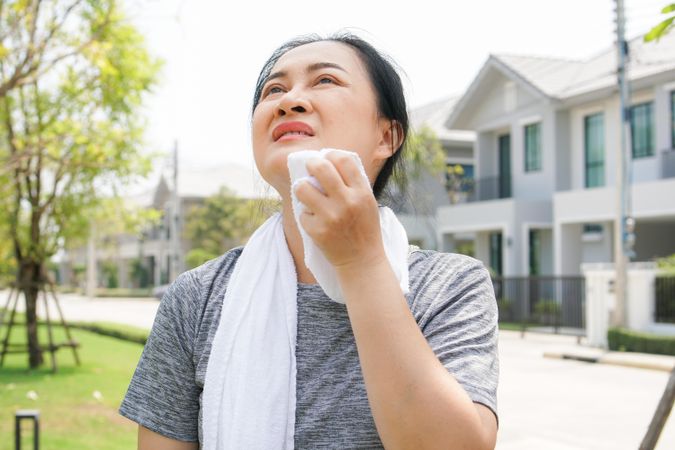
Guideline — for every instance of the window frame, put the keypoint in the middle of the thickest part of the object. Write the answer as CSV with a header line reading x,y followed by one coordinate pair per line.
x,y
648,150
532,156
597,165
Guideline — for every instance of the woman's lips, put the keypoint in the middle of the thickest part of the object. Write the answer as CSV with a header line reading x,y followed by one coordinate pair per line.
x,y
291,131
293,137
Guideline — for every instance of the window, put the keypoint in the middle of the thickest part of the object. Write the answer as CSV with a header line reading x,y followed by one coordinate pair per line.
x,y
592,228
594,151
642,130
533,147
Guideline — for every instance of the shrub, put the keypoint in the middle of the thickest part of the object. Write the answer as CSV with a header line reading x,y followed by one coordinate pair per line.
x,y
634,341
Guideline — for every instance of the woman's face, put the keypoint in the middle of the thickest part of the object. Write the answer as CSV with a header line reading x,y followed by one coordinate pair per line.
x,y
318,96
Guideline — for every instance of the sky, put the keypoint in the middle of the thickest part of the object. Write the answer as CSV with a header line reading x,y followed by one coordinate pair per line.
x,y
213,51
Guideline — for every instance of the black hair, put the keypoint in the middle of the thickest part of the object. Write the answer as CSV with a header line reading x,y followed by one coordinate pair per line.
x,y
386,84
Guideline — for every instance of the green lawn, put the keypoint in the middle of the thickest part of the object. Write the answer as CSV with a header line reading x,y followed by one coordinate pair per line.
x,y
70,415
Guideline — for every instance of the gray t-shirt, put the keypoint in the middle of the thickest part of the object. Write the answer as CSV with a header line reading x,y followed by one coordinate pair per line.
x,y
451,298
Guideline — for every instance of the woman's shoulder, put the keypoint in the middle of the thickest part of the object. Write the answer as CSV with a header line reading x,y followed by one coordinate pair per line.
x,y
432,262
221,266
440,280
197,285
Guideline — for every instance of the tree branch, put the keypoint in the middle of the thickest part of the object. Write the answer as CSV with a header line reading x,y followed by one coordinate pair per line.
x,y
20,76
14,217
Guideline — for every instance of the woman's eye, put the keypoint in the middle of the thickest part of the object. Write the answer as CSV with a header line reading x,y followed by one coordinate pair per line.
x,y
273,90
325,80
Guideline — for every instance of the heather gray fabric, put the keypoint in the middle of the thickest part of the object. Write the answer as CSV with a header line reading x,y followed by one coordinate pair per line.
x,y
451,298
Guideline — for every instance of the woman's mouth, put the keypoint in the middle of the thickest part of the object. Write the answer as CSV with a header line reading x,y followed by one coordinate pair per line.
x,y
292,131
293,136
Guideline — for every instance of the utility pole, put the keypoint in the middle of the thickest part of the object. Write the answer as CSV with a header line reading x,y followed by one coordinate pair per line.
x,y
624,225
174,222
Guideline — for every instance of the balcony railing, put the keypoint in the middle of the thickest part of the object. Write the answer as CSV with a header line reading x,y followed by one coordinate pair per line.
x,y
490,188
668,164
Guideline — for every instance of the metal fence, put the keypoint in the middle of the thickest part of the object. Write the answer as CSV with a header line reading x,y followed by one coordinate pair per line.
x,y
547,302
664,292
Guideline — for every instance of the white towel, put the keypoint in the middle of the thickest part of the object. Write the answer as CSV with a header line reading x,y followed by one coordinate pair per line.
x,y
249,391
393,234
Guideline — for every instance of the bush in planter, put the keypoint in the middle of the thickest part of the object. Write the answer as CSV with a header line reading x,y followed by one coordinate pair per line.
x,y
634,341
547,311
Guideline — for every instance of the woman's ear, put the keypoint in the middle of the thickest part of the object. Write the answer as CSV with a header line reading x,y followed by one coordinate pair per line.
x,y
391,137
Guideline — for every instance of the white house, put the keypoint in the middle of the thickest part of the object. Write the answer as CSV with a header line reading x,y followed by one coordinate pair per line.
x,y
547,143
417,209
154,248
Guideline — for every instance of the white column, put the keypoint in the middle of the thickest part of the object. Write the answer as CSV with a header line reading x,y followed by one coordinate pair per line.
x,y
599,303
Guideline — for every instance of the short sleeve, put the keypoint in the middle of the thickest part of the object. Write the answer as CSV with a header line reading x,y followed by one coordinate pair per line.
x,y
457,313
163,395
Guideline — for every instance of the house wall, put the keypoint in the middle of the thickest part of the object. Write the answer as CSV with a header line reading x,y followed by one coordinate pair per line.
x,y
662,110
567,248
546,253
609,109
598,248
563,143
493,119
649,168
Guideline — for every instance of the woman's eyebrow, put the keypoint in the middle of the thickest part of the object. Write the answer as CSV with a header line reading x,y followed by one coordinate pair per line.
x,y
311,68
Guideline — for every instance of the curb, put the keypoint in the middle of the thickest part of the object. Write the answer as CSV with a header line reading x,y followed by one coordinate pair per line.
x,y
662,363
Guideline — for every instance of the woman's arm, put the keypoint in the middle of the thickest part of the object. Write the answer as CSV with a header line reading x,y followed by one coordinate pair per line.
x,y
149,440
416,402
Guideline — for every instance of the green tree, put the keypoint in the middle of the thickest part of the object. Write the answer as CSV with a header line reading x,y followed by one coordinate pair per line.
x,y
424,152
222,222
72,78
664,26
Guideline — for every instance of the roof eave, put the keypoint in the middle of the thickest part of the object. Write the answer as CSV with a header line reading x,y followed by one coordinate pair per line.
x,y
493,62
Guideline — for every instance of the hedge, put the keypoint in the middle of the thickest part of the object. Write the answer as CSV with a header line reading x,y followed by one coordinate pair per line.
x,y
633,341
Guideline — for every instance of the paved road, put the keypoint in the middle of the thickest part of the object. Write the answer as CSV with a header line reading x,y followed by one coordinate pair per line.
x,y
552,404
544,404
139,312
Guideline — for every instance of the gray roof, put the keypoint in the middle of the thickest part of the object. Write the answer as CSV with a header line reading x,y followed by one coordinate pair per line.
x,y
561,79
567,80
434,115
203,182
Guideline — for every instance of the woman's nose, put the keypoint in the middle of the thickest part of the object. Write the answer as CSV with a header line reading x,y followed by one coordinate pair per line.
x,y
293,101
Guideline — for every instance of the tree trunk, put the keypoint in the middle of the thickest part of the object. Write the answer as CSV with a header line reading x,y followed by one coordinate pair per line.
x,y
30,280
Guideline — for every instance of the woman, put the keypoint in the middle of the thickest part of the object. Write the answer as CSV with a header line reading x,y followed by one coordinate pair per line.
x,y
385,369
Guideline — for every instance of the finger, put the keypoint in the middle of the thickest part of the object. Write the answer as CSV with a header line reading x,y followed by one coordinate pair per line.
x,y
311,197
348,169
327,175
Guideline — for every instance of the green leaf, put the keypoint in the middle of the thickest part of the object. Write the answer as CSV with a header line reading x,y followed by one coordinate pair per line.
x,y
659,30
669,8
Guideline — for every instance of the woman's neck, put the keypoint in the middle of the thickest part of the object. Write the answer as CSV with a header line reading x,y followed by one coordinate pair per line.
x,y
294,242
